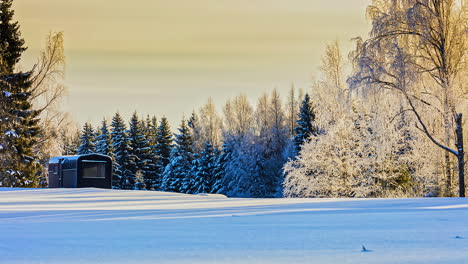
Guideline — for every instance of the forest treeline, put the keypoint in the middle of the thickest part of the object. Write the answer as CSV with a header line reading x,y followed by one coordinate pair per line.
x,y
238,153
384,121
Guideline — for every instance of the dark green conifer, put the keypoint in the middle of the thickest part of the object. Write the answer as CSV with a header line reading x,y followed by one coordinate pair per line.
x,y
11,43
87,140
163,147
305,127
122,178
176,175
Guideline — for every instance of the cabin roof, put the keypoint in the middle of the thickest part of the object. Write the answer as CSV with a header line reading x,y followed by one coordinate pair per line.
x,y
73,159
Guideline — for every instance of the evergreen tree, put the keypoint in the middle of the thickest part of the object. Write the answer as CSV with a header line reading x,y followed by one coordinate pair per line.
x,y
176,175
267,153
195,130
20,125
190,185
139,145
163,148
305,127
19,122
151,130
204,170
5,147
87,140
70,142
104,141
151,175
220,168
122,174
238,175
175,172
11,43
139,181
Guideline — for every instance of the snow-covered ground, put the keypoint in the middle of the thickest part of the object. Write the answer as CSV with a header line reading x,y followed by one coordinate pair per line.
x,y
109,226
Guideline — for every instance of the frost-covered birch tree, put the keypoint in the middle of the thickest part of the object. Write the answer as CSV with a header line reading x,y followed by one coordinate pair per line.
x,y
418,49
210,124
362,151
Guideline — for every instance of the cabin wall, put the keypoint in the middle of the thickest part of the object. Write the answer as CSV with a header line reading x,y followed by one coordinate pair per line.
x,y
105,182
69,178
54,175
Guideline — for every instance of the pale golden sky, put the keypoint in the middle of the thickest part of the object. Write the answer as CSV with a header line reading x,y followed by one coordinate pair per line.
x,y
167,57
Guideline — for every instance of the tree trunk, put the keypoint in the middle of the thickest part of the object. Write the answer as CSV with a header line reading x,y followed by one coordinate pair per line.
x,y
448,133
461,154
448,173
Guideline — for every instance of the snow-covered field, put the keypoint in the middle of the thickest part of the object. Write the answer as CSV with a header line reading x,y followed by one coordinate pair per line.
x,y
109,226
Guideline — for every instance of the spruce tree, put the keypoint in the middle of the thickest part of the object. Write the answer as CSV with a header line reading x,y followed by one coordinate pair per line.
x,y
71,142
21,131
67,143
163,148
87,140
190,185
122,175
11,43
134,142
305,127
148,128
151,175
5,146
195,129
139,145
104,141
19,122
139,181
151,130
238,168
177,172
204,169
220,169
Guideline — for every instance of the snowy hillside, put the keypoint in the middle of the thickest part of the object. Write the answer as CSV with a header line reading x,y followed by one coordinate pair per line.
x,y
109,226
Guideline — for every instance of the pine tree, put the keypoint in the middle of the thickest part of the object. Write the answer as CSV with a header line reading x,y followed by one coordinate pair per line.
x,y
122,175
87,140
305,127
220,168
19,122
104,141
135,140
151,175
195,130
190,185
177,172
204,170
238,175
139,181
5,146
140,149
163,148
20,125
151,130
11,43
67,139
